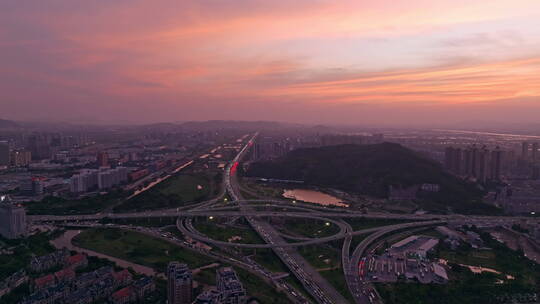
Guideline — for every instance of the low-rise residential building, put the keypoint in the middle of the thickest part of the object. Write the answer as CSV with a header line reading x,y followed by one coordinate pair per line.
x,y
211,296
144,286
231,289
46,262
123,296
77,261
44,282
65,286
122,278
65,275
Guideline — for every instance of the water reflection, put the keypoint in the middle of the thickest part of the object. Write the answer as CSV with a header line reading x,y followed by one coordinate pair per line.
x,y
315,197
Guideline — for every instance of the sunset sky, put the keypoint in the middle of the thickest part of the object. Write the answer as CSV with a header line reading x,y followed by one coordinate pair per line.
x,y
384,61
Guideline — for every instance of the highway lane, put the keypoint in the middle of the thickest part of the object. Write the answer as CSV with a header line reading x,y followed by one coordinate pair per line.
x,y
270,235
317,286
193,233
500,220
345,250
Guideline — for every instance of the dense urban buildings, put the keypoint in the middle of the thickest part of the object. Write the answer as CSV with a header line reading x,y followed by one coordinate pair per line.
x,y
475,162
160,187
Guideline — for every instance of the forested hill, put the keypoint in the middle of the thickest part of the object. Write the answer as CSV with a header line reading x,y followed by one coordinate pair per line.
x,y
366,169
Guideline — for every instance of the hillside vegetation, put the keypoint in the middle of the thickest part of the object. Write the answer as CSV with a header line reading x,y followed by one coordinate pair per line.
x,y
371,170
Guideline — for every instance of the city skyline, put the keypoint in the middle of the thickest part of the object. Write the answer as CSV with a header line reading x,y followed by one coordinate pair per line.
x,y
390,62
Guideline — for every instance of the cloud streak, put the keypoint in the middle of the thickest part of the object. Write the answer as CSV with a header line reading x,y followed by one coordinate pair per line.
x,y
142,61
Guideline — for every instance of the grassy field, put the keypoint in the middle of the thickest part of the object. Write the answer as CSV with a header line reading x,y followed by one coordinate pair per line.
x,y
206,276
23,250
219,232
264,191
309,228
138,248
186,186
259,289
177,191
269,260
484,258
337,279
61,206
321,257
327,261
500,258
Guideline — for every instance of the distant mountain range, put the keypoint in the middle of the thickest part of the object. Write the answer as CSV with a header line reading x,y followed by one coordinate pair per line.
x,y
233,124
8,124
372,170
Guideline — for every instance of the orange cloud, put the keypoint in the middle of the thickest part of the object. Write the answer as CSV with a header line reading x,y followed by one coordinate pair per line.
x,y
453,84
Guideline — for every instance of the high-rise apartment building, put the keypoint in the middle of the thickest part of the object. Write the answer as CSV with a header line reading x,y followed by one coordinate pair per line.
x,y
4,153
33,186
12,219
20,158
267,148
534,153
479,163
84,181
103,159
535,175
179,284
470,156
229,285
482,164
111,177
39,146
495,164
525,150
453,160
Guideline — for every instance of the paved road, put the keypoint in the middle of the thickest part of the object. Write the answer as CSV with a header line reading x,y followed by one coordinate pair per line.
x,y
191,232
227,212
312,281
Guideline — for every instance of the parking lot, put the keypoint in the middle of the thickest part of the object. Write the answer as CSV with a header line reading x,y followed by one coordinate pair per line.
x,y
404,260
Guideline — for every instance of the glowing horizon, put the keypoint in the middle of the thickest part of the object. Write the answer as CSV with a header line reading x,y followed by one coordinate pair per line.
x,y
307,61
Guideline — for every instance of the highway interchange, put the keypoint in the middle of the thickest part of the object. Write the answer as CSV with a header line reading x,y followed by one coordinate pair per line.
x,y
313,283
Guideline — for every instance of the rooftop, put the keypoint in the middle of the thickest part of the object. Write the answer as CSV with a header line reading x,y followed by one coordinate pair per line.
x,y
406,241
122,293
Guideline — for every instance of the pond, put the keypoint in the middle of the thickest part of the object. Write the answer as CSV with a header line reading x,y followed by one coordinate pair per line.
x,y
315,197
